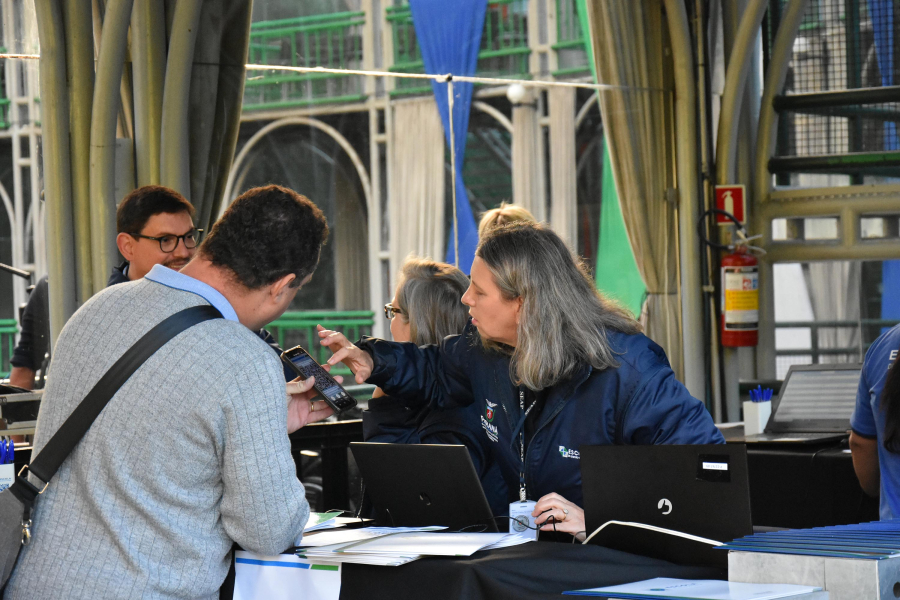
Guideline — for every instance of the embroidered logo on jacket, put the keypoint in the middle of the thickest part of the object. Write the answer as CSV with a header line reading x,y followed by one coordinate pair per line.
x,y
566,453
490,429
489,410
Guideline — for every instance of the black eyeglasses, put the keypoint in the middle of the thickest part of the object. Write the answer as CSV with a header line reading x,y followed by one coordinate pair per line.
x,y
390,310
168,243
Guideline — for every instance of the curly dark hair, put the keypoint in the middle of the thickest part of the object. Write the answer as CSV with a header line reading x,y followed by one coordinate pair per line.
x,y
147,201
267,233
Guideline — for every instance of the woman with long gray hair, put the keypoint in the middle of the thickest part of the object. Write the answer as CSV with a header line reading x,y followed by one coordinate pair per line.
x,y
553,364
425,309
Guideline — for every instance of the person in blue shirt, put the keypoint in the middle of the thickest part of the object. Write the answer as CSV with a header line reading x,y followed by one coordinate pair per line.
x,y
552,365
875,424
425,309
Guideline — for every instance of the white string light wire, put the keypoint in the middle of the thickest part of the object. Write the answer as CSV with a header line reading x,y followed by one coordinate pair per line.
x,y
448,78
453,168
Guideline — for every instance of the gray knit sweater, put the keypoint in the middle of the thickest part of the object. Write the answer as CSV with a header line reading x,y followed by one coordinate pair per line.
x,y
191,454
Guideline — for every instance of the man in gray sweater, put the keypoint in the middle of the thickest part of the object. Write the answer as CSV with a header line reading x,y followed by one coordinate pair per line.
x,y
192,452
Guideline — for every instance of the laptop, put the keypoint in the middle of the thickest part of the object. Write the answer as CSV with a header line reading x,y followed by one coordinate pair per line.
x,y
814,405
697,490
414,485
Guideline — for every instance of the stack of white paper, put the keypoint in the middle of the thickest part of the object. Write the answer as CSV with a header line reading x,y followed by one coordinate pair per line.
x,y
397,546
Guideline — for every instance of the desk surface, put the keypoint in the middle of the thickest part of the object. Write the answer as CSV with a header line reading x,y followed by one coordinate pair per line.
x,y
539,570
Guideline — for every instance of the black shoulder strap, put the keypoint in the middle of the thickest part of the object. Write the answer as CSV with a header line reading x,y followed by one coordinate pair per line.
x,y
45,465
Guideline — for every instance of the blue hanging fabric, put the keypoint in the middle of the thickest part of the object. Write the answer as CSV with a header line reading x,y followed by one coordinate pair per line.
x,y
449,36
881,13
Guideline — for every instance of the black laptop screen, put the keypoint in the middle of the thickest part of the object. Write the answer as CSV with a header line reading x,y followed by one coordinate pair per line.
x,y
820,399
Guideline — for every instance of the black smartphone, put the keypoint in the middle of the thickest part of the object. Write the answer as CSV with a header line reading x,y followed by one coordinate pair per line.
x,y
303,364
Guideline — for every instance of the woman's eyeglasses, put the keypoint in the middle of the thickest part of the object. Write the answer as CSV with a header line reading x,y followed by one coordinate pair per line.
x,y
390,310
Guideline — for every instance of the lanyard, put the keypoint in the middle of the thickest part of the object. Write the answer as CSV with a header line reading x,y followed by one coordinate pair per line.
x,y
521,428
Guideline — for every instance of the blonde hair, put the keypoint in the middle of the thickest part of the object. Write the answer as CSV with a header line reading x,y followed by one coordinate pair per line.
x,y
429,295
505,213
565,322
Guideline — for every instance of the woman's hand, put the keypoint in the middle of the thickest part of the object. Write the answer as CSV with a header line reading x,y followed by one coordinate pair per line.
x,y
569,517
302,410
359,361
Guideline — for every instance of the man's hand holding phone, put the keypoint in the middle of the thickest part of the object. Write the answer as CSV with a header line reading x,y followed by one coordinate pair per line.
x,y
333,393
302,409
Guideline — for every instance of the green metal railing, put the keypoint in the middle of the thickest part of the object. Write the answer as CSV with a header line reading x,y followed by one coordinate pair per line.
x,y
331,41
299,328
8,331
571,43
504,49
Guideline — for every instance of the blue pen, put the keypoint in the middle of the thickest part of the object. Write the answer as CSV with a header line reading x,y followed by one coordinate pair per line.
x,y
11,452
3,452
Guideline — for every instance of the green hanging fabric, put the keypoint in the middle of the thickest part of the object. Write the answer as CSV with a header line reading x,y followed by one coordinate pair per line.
x,y
616,274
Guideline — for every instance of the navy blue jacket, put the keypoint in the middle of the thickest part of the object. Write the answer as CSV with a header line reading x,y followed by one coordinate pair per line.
x,y
638,402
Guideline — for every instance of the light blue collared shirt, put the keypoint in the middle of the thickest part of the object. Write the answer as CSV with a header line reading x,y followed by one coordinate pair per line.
x,y
179,281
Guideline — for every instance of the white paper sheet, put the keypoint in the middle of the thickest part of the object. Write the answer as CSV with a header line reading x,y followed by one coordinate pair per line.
x,y
284,577
663,587
347,536
427,544
512,539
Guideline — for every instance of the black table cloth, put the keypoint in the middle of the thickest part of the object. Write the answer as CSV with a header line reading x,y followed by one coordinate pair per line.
x,y
532,571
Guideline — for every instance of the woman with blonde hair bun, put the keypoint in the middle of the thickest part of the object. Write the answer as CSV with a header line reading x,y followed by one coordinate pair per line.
x,y
505,213
553,365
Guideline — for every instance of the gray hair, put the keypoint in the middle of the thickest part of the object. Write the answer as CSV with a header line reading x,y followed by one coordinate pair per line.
x,y
564,321
430,297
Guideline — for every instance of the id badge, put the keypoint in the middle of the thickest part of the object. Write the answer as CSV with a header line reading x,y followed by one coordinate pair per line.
x,y
521,521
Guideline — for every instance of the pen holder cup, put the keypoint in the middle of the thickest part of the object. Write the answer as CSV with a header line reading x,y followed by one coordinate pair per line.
x,y
756,415
7,475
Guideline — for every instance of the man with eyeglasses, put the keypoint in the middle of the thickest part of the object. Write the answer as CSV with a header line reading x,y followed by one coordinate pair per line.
x,y
155,226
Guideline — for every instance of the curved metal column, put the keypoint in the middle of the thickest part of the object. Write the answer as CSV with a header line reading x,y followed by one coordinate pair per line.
x,y
80,79
735,83
148,55
687,165
779,58
174,141
103,138
57,174
232,58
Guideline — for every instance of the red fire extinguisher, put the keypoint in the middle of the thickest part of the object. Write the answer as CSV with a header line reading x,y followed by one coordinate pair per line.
x,y
740,298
